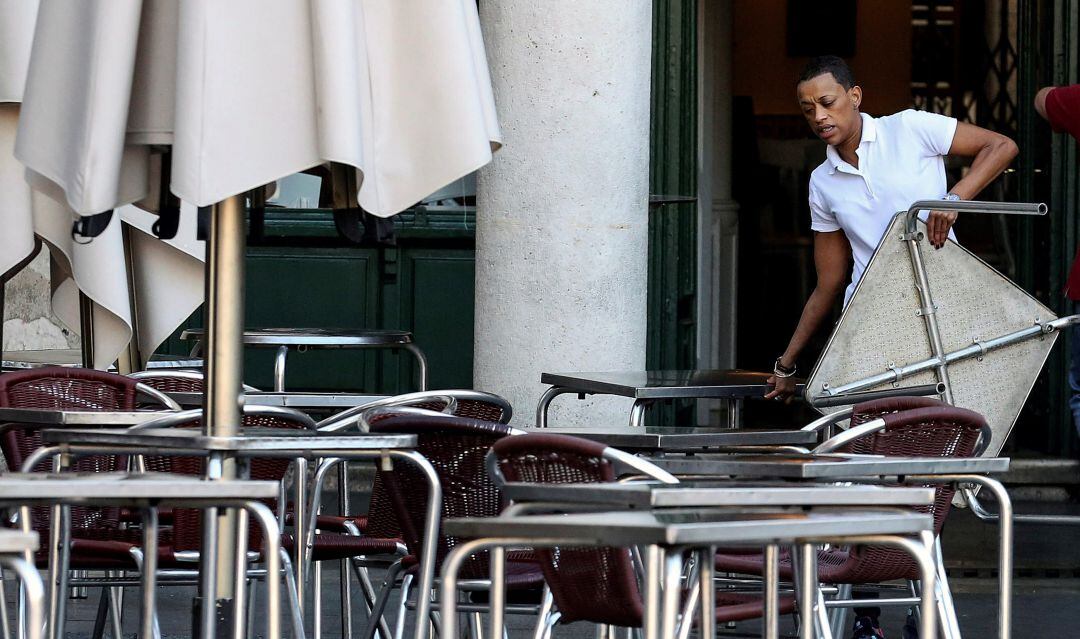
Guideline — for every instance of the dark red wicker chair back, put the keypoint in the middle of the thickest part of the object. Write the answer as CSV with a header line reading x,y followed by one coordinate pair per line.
x,y
869,411
170,384
64,388
382,519
456,448
187,522
933,430
479,409
587,584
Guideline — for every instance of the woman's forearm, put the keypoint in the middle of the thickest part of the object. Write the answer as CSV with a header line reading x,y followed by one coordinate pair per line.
x,y
989,163
814,313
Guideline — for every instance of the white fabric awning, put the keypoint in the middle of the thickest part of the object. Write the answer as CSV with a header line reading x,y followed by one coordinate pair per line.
x,y
249,91
166,277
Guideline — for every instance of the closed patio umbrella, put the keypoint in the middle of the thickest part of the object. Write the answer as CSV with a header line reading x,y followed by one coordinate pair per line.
x,y
243,93
117,272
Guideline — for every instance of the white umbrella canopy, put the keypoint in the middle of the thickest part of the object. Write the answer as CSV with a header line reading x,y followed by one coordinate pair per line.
x,y
103,270
246,92
249,91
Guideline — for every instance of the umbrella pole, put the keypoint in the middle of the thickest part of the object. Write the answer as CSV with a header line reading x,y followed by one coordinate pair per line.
x,y
224,375
131,358
86,329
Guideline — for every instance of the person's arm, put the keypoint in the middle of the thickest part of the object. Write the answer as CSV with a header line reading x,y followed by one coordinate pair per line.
x,y
1040,101
992,153
832,254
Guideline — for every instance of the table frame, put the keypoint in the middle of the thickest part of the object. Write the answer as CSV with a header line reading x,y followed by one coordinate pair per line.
x,y
960,471
663,564
301,449
643,396
60,543
282,340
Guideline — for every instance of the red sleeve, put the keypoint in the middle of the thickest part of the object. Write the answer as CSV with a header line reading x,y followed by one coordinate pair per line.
x,y
1063,109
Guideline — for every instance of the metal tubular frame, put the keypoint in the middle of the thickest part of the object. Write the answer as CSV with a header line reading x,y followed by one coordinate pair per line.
x,y
663,580
32,593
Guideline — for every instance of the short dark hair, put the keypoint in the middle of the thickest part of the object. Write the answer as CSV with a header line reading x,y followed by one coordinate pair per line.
x,y
828,64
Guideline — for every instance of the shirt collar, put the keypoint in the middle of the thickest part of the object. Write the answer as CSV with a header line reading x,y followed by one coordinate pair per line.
x,y
869,134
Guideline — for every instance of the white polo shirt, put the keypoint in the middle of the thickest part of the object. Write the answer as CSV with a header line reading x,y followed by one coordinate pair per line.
x,y
900,161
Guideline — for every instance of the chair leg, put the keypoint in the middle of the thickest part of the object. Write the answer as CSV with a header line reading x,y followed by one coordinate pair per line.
x,y
4,625
399,623
253,589
544,614
950,627
102,614
345,587
116,611
293,594
915,588
691,603
316,600
364,577
838,616
377,618
476,626
822,621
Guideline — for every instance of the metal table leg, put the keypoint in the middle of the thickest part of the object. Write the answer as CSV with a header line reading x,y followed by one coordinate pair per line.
x,y
149,572
421,363
279,368
771,617
637,412
1005,537
431,532
734,415
545,402
805,565
706,573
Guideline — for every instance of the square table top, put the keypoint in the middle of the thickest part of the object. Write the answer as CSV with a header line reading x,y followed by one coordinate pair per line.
x,y
288,399
38,417
698,526
667,438
72,357
134,489
833,466
646,495
315,337
666,384
254,442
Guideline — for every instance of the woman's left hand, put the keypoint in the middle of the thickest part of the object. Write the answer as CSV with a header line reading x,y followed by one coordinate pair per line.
x,y
938,225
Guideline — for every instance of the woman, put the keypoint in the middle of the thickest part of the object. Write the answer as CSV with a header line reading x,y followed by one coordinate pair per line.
x,y
874,167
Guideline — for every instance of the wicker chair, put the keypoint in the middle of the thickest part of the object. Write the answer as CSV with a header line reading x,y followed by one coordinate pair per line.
x,y
457,448
375,539
64,388
598,585
102,538
896,427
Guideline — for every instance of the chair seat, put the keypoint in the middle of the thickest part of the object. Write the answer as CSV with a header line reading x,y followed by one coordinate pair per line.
x,y
835,566
733,606
522,572
334,546
336,523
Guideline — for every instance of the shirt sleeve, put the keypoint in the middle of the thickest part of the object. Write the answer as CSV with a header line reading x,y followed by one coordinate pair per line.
x,y
821,217
1063,109
934,132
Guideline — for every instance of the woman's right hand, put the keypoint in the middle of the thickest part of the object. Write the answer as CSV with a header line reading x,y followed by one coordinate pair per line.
x,y
783,389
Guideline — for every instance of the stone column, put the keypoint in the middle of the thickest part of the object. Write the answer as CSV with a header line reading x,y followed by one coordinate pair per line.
x,y
562,226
